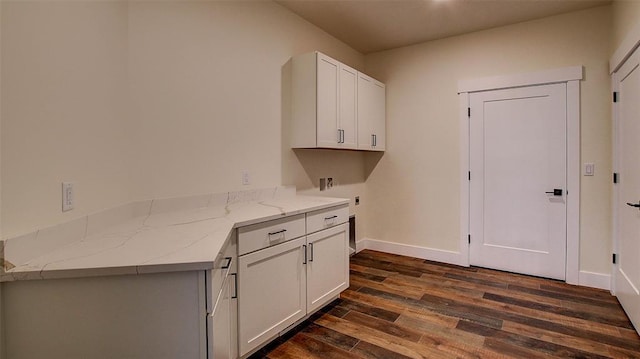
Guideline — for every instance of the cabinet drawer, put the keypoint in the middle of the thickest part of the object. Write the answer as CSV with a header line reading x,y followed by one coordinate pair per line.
x,y
262,235
328,217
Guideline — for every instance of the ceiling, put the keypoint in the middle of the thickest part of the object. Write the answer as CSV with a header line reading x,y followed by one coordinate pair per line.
x,y
376,25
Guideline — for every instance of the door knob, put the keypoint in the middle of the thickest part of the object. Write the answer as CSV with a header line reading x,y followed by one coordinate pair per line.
x,y
637,205
556,192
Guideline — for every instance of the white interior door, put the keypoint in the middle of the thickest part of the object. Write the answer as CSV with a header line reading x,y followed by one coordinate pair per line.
x,y
627,273
517,156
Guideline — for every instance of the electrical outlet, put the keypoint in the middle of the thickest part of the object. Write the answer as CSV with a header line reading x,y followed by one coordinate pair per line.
x,y
68,196
246,180
323,184
329,183
589,169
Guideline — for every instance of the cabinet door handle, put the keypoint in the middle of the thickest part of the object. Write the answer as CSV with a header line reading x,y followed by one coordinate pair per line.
x,y
235,285
305,254
637,205
331,217
373,140
229,259
277,232
311,247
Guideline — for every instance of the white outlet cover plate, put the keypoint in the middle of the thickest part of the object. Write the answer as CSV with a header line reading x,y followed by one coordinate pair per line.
x,y
68,196
589,169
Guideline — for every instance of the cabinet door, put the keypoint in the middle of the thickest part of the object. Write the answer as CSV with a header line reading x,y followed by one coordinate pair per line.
x,y
371,114
327,101
328,265
347,102
220,321
271,292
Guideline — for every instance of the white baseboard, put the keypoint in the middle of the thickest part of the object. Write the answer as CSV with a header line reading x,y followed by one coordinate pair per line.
x,y
437,255
587,279
595,280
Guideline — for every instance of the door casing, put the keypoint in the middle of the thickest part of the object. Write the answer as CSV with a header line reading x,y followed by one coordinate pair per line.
x,y
569,75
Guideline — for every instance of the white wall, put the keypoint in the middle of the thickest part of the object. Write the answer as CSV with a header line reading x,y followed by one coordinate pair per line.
x,y
154,100
416,183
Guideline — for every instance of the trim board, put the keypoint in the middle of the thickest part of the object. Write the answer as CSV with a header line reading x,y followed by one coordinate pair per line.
x,y
432,254
587,279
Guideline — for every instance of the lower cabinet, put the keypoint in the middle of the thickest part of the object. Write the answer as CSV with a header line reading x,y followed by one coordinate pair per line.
x,y
186,315
160,316
283,270
281,284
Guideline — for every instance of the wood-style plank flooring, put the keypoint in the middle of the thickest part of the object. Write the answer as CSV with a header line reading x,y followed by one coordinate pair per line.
x,y
403,307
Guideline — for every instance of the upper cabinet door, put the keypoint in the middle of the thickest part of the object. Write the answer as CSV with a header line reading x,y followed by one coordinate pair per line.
x,y
371,114
348,114
327,102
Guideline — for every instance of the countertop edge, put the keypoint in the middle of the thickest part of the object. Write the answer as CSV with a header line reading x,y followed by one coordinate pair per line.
x,y
141,268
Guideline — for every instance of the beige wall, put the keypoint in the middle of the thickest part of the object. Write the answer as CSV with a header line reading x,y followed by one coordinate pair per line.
x,y
415,188
63,113
2,342
146,100
626,15
159,99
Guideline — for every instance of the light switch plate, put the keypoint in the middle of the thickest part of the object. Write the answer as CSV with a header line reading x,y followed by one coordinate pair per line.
x,y
589,169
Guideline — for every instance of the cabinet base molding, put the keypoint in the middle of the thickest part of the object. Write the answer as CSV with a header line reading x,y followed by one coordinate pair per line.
x,y
287,329
432,254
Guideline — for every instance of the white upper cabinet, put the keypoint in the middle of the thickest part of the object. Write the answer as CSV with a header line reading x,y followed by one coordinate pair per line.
x,y
371,113
326,104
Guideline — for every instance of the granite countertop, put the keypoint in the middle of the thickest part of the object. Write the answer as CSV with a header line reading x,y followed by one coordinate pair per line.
x,y
148,236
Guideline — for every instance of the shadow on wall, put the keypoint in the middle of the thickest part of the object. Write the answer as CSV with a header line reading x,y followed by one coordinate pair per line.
x,y
371,160
304,167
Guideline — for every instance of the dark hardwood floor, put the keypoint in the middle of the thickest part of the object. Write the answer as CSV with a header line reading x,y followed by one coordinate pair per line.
x,y
403,307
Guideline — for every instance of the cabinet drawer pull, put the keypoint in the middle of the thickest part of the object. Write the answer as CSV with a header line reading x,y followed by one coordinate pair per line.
x,y
277,232
332,217
305,253
311,246
229,259
235,285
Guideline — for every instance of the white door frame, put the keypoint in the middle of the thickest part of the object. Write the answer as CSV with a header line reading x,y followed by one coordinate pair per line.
x,y
630,43
572,77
